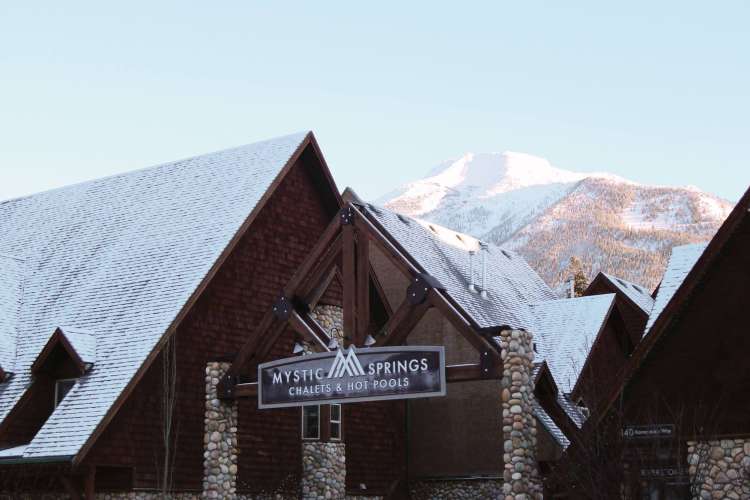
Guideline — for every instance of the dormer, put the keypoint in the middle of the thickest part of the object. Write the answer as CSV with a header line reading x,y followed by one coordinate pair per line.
x,y
68,353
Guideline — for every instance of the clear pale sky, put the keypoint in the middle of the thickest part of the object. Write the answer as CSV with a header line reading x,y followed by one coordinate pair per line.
x,y
658,92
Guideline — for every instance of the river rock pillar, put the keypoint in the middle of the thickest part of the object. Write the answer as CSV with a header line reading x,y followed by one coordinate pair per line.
x,y
520,475
324,463
719,468
220,438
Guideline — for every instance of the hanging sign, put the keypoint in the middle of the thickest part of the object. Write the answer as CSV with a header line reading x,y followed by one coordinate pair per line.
x,y
353,375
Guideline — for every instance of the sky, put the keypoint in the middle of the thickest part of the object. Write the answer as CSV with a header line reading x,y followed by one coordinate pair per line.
x,y
657,92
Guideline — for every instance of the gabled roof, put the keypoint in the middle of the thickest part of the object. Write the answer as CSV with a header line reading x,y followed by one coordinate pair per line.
x,y
549,424
680,263
122,257
565,330
11,279
636,293
687,266
510,283
80,346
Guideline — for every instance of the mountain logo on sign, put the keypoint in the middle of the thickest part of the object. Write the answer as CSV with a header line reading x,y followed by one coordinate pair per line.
x,y
346,365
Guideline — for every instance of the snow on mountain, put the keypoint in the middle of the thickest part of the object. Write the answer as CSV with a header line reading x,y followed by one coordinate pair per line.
x,y
549,214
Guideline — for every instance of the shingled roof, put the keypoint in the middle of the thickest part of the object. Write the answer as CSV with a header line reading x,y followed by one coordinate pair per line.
x,y
11,279
119,258
565,330
510,283
680,263
636,293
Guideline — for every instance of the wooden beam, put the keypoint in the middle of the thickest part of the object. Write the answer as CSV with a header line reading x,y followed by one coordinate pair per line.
x,y
402,312
394,254
469,373
89,488
381,292
306,330
348,273
402,330
247,390
313,297
317,251
249,349
318,273
437,299
363,288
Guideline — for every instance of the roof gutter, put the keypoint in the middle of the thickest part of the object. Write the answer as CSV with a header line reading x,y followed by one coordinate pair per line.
x,y
37,460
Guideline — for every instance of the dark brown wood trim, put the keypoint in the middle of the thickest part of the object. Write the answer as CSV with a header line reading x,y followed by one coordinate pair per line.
x,y
468,373
401,330
381,292
246,390
325,422
307,331
321,247
363,288
327,262
348,273
481,344
396,318
386,246
58,337
314,296
89,486
250,347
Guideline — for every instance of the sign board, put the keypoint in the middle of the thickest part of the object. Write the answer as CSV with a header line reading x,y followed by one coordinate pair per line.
x,y
657,431
667,472
353,375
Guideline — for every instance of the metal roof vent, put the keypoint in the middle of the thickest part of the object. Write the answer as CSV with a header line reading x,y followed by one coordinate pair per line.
x,y
484,248
472,285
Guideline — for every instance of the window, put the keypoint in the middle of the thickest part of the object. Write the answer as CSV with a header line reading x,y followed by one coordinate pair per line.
x,y
62,388
322,422
336,422
311,422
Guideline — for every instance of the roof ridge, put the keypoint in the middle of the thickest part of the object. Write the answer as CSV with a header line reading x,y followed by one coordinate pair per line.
x,y
149,167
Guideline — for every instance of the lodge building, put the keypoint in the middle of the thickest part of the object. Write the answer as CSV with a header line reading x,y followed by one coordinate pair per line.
x,y
136,310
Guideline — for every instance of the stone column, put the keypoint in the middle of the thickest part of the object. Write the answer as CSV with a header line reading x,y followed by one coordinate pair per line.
x,y
324,464
323,470
520,474
719,469
220,439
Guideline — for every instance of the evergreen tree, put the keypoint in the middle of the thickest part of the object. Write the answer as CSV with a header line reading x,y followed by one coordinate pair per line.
x,y
580,281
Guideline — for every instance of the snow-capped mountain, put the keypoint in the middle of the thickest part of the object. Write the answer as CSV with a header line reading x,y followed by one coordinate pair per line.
x,y
549,214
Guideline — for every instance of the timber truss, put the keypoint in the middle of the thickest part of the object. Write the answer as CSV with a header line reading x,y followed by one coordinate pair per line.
x,y
344,250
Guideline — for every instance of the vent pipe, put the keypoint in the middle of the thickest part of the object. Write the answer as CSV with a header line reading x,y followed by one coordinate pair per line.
x,y
484,248
472,286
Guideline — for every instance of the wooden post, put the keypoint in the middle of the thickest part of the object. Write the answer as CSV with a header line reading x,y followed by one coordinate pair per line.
x,y
90,484
348,271
363,288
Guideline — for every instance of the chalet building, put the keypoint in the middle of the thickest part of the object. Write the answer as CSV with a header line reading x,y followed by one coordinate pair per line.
x,y
676,423
137,311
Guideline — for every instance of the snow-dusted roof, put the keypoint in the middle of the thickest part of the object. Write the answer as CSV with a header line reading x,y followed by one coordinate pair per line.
x,y
510,283
638,294
680,263
11,278
565,330
119,257
549,424
84,343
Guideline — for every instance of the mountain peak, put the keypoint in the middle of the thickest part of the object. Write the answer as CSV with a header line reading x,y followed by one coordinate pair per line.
x,y
525,202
